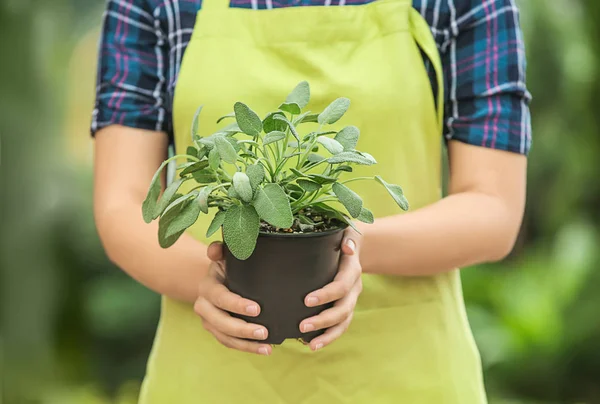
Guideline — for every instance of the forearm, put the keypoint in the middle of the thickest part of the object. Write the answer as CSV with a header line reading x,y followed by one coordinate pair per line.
x,y
133,245
463,229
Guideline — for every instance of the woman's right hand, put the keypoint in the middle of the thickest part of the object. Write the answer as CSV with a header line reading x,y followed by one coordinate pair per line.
x,y
215,301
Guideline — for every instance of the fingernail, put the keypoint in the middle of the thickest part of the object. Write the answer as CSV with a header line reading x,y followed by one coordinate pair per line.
x,y
350,243
263,351
259,333
312,301
308,327
252,310
318,346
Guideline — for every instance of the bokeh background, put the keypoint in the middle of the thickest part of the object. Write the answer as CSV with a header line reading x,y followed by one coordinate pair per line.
x,y
75,329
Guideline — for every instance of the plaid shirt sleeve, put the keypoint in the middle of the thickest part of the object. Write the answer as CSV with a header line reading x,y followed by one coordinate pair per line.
x,y
487,102
131,82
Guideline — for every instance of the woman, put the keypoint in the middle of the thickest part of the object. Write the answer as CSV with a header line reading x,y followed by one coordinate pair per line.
x,y
409,339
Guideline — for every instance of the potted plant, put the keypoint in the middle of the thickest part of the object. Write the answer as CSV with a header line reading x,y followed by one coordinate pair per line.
x,y
280,201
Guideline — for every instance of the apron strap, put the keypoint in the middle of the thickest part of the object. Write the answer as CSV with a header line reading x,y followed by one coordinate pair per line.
x,y
215,5
422,34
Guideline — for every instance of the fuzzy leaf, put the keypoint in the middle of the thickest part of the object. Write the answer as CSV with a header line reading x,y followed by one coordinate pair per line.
x,y
347,169
350,157
290,107
186,217
396,192
226,150
240,230
271,124
191,151
202,198
242,186
368,157
194,129
202,152
149,203
334,111
199,165
163,224
256,174
322,179
289,124
205,176
310,118
247,119
315,158
308,185
366,216
273,206
230,115
214,159
330,144
232,193
297,173
312,135
298,120
216,224
350,199
348,137
300,94
208,142
273,136
166,197
229,130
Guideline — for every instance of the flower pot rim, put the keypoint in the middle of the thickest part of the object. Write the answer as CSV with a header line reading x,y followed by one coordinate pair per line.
x,y
304,235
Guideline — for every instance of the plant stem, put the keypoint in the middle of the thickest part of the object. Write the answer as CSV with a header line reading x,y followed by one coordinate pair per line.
x,y
356,179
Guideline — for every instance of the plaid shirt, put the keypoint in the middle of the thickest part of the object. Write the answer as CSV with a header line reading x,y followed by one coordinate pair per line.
x,y
480,43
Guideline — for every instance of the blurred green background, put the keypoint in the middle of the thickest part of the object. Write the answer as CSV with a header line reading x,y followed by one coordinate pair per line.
x,y
75,329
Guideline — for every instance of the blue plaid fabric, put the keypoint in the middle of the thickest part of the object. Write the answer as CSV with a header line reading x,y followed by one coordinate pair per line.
x,y
480,42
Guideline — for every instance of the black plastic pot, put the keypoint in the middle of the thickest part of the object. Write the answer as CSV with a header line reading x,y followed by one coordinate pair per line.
x,y
281,271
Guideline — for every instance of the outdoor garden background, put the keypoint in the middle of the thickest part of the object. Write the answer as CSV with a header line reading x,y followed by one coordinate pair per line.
x,y
76,330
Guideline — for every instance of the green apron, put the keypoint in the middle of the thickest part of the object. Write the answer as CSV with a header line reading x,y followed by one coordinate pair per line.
x,y
410,341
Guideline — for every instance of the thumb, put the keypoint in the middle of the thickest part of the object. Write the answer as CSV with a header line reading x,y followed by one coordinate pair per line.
x,y
215,251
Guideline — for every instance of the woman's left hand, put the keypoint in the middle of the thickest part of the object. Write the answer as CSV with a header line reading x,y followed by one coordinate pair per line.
x,y
344,291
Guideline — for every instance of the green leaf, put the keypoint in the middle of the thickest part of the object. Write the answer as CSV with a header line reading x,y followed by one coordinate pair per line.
x,y
273,136
298,120
216,223
312,135
366,216
350,199
303,146
202,152
205,176
208,142
314,158
149,203
367,156
322,179
256,174
334,111
191,151
351,157
396,192
290,107
186,217
271,124
247,141
347,169
296,191
166,197
289,124
163,224
229,115
199,165
234,142
247,119
194,129
300,94
242,186
178,202
240,230
348,137
232,193
226,150
308,185
310,118
330,144
214,159
202,198
273,206
229,130
297,172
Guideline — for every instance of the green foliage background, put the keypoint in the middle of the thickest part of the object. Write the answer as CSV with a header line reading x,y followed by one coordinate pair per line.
x,y
76,330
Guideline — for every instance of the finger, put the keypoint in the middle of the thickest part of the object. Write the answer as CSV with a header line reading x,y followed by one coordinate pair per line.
x,y
226,300
342,309
227,324
239,344
349,246
348,274
215,251
330,335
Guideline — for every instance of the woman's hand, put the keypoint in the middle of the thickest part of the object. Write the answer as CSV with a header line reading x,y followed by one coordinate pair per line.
x,y
215,301
344,291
